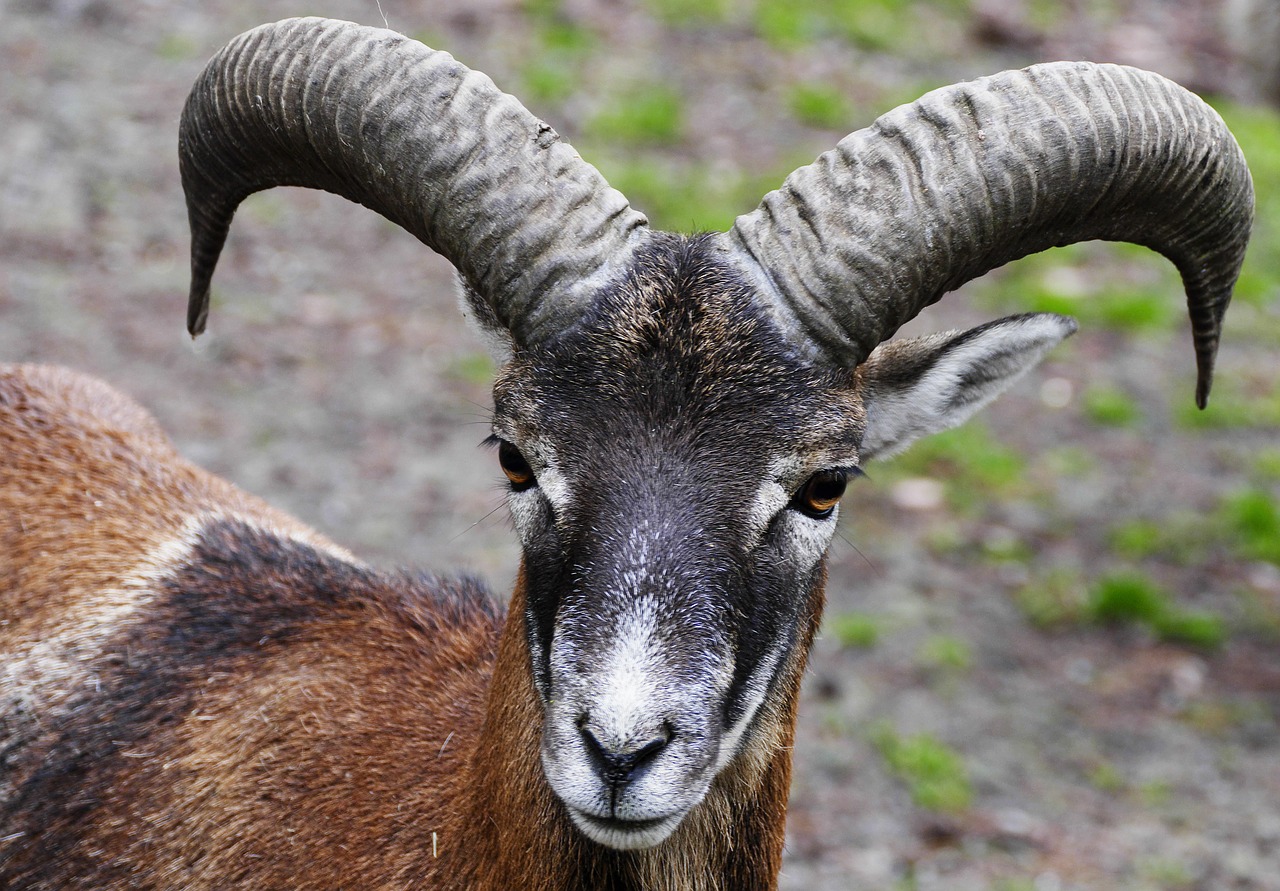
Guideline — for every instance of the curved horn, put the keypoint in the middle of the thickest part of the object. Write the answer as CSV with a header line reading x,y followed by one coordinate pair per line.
x,y
418,137
974,175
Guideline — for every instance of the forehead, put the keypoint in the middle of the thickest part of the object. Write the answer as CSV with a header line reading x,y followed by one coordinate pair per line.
x,y
682,351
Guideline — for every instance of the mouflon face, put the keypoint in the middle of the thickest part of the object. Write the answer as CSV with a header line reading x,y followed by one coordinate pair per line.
x,y
675,470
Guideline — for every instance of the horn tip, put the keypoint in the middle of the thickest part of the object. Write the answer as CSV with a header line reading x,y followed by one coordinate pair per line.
x,y
1202,393
197,312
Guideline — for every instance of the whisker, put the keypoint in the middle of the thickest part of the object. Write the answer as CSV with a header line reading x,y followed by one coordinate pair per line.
x,y
865,559
476,523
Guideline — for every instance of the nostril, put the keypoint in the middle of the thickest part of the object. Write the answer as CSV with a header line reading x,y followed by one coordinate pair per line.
x,y
594,746
651,748
617,764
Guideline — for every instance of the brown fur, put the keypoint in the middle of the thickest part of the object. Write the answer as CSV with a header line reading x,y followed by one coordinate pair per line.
x,y
199,692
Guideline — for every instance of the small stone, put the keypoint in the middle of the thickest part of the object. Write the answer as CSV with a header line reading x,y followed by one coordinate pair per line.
x,y
918,493
1057,392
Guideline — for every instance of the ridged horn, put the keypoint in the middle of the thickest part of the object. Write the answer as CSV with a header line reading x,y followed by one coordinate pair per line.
x,y
977,174
409,132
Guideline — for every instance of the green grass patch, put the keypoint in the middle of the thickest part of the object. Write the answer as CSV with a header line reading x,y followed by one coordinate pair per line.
x,y
681,196
1260,614
867,24
674,196
1258,131
176,47
1106,777
1192,627
1058,599
1121,287
543,10
1166,873
974,467
1111,407
1235,405
1130,598
472,368
1137,539
1004,546
1220,717
785,24
1067,461
934,774
1048,15
1252,522
946,653
691,13
1134,310
1014,884
1181,537
550,79
854,630
648,114
820,105
566,37
1266,465
1127,597
556,69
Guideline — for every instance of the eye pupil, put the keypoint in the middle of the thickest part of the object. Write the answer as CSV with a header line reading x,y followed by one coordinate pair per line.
x,y
819,496
515,467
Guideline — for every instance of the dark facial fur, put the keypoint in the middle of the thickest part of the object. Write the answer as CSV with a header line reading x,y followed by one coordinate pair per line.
x,y
668,430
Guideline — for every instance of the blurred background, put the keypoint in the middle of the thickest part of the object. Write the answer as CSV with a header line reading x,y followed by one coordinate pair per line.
x,y
1051,658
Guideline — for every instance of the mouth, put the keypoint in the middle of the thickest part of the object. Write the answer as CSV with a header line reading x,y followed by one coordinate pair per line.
x,y
625,835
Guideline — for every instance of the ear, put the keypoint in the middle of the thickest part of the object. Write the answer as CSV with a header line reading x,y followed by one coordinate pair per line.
x,y
922,385
481,319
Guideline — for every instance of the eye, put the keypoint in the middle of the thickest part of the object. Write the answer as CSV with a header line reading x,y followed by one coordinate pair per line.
x,y
516,467
820,494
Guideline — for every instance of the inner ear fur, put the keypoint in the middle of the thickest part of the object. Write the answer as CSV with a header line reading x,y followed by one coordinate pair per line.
x,y
922,385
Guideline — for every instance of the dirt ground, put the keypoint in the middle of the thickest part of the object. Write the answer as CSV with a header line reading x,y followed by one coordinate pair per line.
x,y
339,382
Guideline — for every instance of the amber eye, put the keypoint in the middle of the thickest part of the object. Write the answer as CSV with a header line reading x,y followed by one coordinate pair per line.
x,y
516,467
820,494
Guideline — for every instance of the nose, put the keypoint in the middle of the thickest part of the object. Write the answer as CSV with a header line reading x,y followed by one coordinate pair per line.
x,y
617,763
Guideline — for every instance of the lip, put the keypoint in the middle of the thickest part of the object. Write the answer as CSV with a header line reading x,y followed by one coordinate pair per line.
x,y
625,834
